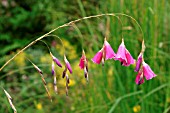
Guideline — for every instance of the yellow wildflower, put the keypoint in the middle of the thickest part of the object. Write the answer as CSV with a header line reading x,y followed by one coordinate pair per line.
x,y
72,83
63,82
136,108
39,106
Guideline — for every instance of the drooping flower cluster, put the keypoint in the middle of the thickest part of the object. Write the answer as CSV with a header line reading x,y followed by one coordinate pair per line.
x,y
107,52
124,56
67,67
143,68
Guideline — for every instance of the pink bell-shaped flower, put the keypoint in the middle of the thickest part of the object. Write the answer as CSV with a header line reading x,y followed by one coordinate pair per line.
x,y
104,54
147,71
83,61
124,56
143,68
84,65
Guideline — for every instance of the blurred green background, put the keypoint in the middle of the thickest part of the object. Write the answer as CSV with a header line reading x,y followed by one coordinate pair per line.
x,y
110,89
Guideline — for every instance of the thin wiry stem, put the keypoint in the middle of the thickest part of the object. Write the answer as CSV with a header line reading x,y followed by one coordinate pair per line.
x,y
46,45
121,14
68,24
80,34
120,21
59,39
121,25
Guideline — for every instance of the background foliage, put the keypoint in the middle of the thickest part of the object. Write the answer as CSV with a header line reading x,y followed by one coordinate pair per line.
x,y
110,89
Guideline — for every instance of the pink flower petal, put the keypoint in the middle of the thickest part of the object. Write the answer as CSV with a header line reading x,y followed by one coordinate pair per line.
x,y
124,56
138,63
147,71
82,64
67,64
69,67
139,78
129,58
109,51
98,57
121,53
57,61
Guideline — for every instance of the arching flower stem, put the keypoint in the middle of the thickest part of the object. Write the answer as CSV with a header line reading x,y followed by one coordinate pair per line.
x,y
68,24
